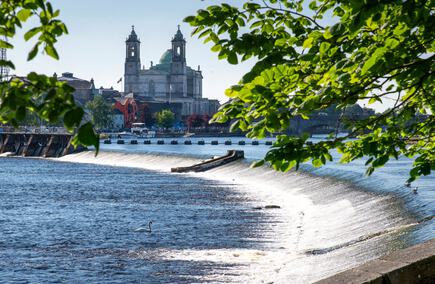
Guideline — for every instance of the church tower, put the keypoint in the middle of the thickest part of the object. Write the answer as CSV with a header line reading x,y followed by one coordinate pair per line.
x,y
178,65
178,81
132,62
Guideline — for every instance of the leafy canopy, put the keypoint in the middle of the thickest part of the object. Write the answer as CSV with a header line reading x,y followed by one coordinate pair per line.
x,y
101,112
165,118
371,50
38,94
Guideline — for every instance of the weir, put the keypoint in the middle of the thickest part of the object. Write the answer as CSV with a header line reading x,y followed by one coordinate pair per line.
x,y
231,156
47,145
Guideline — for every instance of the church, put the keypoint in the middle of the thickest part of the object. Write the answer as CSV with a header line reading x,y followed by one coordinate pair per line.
x,y
170,82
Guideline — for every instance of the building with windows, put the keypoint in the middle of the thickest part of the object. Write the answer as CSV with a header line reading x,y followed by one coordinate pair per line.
x,y
169,82
84,90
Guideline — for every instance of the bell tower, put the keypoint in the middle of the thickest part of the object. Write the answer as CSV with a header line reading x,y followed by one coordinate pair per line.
x,y
178,78
132,61
178,65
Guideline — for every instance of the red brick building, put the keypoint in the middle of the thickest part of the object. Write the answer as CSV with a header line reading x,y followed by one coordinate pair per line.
x,y
128,106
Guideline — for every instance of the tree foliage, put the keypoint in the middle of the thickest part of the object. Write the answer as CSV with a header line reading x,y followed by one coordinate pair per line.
x,y
196,120
165,118
101,112
38,94
311,55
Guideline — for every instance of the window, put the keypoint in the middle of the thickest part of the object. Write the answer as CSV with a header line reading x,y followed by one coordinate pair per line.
x,y
178,51
151,88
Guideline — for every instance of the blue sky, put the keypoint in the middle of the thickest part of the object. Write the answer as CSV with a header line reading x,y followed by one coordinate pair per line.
x,y
95,45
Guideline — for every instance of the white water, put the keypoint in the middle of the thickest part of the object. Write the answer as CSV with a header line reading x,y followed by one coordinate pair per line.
x,y
323,226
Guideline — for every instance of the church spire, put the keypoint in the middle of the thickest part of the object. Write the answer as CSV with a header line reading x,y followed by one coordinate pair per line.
x,y
178,36
133,36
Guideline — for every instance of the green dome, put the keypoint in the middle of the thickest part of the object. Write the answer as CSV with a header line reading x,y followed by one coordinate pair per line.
x,y
166,57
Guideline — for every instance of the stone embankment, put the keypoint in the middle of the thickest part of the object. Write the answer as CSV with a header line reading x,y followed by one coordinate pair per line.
x,y
411,265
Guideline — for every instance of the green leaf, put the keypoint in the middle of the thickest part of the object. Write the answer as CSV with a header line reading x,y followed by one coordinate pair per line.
x,y
73,117
232,58
257,164
370,170
373,60
31,33
372,100
189,19
392,43
33,52
313,5
20,113
51,51
268,28
327,34
234,125
7,63
5,44
87,136
24,14
216,48
308,43
324,46
317,163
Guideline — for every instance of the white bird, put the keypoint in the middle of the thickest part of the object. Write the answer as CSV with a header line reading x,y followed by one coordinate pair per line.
x,y
415,190
408,184
143,229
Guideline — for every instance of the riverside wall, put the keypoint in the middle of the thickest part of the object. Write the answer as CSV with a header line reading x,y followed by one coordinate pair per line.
x,y
411,265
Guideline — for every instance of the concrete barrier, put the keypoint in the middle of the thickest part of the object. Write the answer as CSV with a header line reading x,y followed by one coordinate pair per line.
x,y
188,142
37,144
231,156
411,265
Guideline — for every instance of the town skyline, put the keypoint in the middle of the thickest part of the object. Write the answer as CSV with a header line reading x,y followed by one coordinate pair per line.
x,y
95,45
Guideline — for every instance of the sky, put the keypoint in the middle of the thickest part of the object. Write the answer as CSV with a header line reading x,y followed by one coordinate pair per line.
x,y
95,45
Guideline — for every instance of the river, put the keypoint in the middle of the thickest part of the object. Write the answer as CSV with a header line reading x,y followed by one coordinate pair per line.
x,y
85,219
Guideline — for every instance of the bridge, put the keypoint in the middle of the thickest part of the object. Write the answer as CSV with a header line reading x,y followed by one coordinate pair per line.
x,y
318,124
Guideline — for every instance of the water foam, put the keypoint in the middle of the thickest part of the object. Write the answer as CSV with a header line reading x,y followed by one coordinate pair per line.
x,y
315,213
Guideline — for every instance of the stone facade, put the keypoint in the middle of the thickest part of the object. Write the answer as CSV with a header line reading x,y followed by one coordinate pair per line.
x,y
171,81
84,90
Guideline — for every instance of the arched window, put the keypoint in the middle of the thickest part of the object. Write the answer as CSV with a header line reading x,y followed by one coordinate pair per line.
x,y
151,88
178,51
